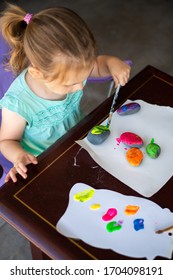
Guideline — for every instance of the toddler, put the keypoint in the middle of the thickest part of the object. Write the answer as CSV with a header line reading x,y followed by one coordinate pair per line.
x,y
52,55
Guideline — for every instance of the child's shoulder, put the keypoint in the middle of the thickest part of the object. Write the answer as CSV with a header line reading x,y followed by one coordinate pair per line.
x,y
17,86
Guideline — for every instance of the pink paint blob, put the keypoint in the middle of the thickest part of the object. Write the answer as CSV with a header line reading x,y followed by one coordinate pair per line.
x,y
118,140
110,214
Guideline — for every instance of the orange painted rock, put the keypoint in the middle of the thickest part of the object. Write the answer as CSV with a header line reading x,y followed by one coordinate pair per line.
x,y
134,156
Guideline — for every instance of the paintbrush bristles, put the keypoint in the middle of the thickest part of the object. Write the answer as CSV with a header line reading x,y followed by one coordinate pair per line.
x,y
164,230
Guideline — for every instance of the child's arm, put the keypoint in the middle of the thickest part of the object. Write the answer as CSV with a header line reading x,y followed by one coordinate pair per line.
x,y
12,129
110,65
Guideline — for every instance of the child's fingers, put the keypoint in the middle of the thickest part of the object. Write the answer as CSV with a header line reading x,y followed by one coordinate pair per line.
x,y
116,81
21,169
11,175
7,178
33,159
121,79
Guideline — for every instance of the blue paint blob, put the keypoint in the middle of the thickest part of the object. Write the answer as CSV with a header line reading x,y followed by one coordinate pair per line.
x,y
124,108
138,224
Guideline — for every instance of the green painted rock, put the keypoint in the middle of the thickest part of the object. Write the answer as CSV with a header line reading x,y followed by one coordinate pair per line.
x,y
153,150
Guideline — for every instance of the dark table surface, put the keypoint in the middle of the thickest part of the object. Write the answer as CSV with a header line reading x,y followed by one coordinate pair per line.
x,y
33,206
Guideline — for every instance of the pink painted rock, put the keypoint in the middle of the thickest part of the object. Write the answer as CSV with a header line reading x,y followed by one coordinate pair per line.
x,y
131,140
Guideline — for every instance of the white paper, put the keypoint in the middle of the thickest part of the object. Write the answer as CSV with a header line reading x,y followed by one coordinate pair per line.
x,y
152,121
80,222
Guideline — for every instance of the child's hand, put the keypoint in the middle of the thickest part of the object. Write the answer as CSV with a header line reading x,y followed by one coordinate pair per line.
x,y
106,65
20,166
119,70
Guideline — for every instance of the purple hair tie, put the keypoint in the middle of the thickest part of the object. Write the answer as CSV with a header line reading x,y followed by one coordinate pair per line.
x,y
27,18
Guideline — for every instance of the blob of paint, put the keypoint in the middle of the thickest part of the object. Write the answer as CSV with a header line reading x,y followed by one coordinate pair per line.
x,y
113,226
95,206
118,140
84,195
99,129
120,222
131,210
138,224
110,214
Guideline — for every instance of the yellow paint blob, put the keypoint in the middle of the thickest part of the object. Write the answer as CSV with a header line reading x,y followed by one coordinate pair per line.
x,y
95,206
84,195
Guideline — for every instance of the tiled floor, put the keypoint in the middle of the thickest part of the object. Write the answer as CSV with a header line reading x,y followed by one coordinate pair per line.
x,y
140,30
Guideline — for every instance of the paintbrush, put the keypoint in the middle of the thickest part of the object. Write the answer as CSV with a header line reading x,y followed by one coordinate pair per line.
x,y
100,133
112,106
165,229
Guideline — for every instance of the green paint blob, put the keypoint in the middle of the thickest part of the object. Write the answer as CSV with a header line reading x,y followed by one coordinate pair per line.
x,y
84,195
98,129
113,226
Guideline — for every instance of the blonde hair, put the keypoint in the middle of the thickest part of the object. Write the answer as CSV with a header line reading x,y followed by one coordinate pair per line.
x,y
55,39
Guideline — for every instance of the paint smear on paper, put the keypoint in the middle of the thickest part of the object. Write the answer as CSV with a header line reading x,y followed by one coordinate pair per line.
x,y
84,195
138,224
113,226
95,206
110,214
131,209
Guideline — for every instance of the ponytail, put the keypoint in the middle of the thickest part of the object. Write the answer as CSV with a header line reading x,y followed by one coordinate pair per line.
x,y
53,40
13,29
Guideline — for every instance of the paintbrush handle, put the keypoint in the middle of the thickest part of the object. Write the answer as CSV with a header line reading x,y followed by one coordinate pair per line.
x,y
165,229
112,106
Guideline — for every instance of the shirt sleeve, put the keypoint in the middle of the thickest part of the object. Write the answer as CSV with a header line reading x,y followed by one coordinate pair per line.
x,y
15,105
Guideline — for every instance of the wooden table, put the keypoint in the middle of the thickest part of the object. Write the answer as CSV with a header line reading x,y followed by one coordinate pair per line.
x,y
34,206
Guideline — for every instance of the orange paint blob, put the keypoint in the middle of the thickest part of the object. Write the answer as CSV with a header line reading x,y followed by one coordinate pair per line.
x,y
131,210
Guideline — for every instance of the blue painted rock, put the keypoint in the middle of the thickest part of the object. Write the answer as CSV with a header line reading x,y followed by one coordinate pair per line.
x,y
131,140
129,109
153,150
98,134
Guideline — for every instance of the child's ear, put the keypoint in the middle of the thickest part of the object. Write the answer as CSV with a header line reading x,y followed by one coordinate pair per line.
x,y
35,72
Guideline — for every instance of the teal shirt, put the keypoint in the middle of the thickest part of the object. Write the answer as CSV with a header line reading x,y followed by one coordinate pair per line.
x,y
46,120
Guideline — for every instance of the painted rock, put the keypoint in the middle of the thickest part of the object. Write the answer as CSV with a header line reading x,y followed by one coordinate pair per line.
x,y
131,140
128,109
98,134
153,150
134,156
